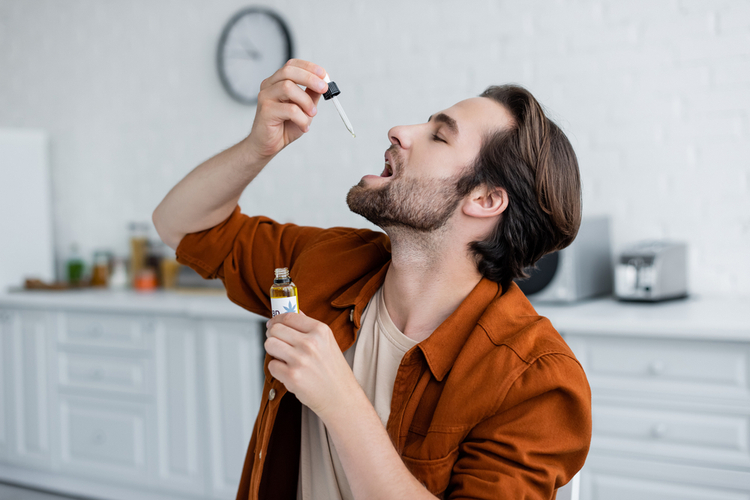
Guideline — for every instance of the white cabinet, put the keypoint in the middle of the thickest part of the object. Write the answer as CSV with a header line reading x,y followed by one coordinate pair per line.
x,y
179,455
5,359
120,397
234,360
670,387
682,404
105,419
30,356
105,439
627,485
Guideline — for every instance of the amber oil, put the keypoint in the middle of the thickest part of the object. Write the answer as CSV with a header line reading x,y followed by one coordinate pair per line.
x,y
283,293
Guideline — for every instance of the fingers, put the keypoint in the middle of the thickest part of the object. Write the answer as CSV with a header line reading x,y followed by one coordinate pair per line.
x,y
279,370
287,111
300,322
282,332
278,349
303,73
307,65
288,91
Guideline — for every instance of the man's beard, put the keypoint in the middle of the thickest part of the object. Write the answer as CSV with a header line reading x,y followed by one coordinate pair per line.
x,y
423,205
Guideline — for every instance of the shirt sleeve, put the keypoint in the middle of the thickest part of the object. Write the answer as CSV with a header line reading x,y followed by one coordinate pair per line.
x,y
243,251
535,443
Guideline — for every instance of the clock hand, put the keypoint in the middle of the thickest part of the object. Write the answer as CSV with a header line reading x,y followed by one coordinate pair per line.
x,y
252,51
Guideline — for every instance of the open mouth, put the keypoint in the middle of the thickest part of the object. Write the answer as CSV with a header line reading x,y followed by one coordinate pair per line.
x,y
388,170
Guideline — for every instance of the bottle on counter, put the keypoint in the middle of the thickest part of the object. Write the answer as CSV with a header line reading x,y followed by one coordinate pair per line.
x,y
169,268
154,257
145,281
119,279
101,269
138,249
74,266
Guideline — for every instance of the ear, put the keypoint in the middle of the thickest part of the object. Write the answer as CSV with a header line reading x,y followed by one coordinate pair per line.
x,y
484,202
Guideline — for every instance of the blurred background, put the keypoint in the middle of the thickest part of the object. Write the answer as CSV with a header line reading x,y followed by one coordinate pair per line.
x,y
106,105
653,95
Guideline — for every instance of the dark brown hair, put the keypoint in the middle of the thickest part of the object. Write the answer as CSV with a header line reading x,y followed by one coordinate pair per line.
x,y
536,165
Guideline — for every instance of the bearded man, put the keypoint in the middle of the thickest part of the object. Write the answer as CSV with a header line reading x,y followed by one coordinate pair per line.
x,y
416,368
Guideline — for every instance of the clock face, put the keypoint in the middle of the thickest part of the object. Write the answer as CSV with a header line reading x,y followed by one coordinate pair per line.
x,y
254,44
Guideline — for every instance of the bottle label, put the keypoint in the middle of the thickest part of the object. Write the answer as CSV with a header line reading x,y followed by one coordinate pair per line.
x,y
284,305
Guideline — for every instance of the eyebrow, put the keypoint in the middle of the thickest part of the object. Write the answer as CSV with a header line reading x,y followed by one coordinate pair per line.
x,y
447,120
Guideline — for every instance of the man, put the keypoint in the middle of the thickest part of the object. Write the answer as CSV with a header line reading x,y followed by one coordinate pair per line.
x,y
416,367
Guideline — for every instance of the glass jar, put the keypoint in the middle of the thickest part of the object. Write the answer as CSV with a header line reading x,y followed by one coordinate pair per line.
x,y
74,266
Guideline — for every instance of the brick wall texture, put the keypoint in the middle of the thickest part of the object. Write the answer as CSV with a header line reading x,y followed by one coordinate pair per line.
x,y
654,95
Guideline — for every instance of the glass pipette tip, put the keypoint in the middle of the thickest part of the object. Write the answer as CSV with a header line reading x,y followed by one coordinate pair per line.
x,y
333,91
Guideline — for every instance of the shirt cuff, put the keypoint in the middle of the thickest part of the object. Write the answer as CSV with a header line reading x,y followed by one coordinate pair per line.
x,y
205,251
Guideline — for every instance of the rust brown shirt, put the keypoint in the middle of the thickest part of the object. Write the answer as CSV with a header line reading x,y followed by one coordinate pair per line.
x,y
492,405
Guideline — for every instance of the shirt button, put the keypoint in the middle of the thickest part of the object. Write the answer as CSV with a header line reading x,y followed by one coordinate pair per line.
x,y
351,315
271,394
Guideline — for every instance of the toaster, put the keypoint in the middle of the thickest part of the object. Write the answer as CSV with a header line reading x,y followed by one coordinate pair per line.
x,y
652,271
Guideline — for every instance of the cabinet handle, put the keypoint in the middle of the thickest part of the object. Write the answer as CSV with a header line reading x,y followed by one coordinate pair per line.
x,y
99,438
96,331
656,367
659,430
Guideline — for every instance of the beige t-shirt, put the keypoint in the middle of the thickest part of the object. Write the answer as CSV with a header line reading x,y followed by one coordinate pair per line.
x,y
374,359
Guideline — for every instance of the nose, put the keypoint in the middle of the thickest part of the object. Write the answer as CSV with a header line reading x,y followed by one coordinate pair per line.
x,y
400,136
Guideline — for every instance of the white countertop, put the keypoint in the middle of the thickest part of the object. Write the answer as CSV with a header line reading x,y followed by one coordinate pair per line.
x,y
695,317
213,304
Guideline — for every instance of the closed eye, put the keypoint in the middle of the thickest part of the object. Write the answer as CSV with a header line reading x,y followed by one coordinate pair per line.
x,y
435,137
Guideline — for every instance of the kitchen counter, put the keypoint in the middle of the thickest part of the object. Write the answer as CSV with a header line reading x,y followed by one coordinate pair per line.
x,y
190,303
710,318
724,318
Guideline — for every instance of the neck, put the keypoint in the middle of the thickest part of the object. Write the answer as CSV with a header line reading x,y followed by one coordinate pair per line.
x,y
429,276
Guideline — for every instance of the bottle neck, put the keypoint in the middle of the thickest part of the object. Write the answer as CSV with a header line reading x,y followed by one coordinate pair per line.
x,y
281,276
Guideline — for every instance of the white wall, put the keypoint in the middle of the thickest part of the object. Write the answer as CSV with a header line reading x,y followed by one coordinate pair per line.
x,y
654,95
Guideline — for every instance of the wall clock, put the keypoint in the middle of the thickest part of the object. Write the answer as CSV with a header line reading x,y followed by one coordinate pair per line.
x,y
253,45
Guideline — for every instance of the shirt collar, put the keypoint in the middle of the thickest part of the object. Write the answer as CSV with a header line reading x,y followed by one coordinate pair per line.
x,y
360,293
442,347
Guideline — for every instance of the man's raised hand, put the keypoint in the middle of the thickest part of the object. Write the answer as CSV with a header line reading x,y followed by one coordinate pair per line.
x,y
284,110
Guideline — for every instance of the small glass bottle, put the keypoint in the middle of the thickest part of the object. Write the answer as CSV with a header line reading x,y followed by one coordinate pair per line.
x,y
119,278
138,249
100,270
75,266
283,293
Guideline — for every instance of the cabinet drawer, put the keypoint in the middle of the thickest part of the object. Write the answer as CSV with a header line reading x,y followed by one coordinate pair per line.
x,y
101,437
110,330
665,367
108,373
704,438
605,486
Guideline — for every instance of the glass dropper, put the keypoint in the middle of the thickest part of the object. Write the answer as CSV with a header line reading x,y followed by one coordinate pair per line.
x,y
332,92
